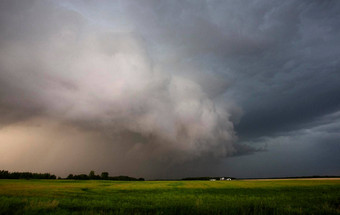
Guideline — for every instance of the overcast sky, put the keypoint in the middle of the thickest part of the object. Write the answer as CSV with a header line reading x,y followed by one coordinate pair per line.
x,y
170,89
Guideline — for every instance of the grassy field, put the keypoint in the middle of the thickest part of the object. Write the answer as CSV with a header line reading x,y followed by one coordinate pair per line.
x,y
170,197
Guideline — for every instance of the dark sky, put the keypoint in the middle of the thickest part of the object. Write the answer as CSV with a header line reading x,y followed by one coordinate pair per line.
x,y
168,89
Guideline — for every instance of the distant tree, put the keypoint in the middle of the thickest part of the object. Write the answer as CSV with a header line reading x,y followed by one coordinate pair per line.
x,y
105,175
70,176
82,177
4,174
141,179
92,175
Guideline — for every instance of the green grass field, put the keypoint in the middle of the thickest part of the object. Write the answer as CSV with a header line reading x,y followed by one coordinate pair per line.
x,y
170,197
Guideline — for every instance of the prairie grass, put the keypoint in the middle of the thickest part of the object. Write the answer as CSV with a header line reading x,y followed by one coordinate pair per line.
x,y
170,197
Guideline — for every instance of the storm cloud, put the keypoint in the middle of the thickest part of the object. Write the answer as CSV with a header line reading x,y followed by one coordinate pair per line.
x,y
164,88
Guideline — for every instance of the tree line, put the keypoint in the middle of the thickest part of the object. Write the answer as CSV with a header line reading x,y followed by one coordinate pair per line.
x,y
103,176
4,174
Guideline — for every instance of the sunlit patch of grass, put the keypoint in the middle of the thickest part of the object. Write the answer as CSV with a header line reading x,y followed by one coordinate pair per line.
x,y
41,205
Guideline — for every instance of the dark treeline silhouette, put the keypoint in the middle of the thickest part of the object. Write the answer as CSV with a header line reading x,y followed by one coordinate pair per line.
x,y
103,176
4,174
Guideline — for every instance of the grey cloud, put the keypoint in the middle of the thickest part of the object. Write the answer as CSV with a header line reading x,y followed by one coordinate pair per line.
x,y
103,82
165,82
312,150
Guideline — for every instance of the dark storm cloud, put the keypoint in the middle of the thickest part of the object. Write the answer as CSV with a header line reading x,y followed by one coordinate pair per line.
x,y
296,79
312,150
164,82
279,59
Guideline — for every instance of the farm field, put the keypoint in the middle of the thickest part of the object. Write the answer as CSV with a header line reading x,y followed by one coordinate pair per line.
x,y
170,197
